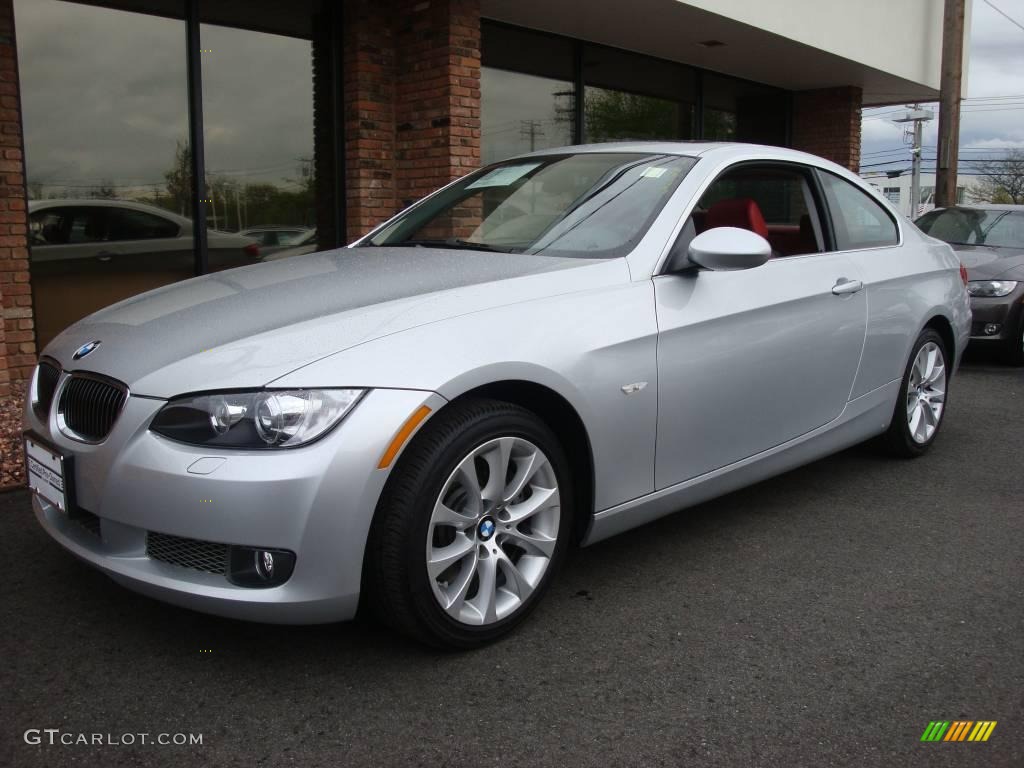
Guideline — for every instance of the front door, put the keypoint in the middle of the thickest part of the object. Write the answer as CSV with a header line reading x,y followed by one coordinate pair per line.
x,y
751,359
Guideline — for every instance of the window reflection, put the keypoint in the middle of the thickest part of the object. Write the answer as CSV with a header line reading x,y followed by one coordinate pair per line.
x,y
258,127
617,115
105,116
522,113
629,96
736,110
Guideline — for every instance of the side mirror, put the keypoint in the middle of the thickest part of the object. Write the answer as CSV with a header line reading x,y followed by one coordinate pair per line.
x,y
728,248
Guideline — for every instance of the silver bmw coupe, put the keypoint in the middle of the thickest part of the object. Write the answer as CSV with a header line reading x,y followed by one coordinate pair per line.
x,y
547,352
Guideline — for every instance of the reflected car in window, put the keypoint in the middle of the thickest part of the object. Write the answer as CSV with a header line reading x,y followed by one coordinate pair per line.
x,y
274,239
301,245
989,239
88,254
547,352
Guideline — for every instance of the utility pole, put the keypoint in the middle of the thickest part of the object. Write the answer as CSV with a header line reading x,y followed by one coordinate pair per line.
x,y
530,129
950,91
918,117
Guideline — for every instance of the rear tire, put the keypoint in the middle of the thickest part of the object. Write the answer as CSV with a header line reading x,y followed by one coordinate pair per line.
x,y
443,530
916,419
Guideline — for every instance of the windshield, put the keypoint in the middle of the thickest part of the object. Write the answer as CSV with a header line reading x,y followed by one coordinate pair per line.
x,y
975,226
592,205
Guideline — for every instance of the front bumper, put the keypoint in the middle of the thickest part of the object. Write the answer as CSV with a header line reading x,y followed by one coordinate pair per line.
x,y
316,501
1006,312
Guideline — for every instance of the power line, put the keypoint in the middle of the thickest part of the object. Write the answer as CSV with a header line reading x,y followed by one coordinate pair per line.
x,y
1004,14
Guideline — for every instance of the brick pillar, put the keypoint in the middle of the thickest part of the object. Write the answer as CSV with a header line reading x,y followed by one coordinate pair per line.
x,y
17,340
437,105
369,78
411,102
826,122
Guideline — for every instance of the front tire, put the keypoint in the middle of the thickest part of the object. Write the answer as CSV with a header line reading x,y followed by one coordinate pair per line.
x,y
922,400
471,527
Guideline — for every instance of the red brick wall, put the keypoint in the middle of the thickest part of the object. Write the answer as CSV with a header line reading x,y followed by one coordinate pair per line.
x,y
412,102
826,122
437,94
370,74
17,345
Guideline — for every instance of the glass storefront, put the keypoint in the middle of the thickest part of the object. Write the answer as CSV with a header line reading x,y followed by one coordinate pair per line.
x,y
627,96
258,138
528,101
109,167
738,110
105,114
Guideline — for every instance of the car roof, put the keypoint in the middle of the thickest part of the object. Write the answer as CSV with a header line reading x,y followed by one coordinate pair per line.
x,y
38,205
725,150
683,148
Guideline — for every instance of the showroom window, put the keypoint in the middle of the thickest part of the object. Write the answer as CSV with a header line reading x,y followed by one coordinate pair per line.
x,y
100,129
109,126
628,96
528,101
739,110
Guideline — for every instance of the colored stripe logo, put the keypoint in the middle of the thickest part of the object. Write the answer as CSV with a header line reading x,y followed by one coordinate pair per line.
x,y
958,730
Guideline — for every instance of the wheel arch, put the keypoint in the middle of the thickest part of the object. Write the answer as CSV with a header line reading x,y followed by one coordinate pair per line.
x,y
941,324
565,421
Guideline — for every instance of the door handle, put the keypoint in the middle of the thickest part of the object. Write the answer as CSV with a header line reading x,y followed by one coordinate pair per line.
x,y
104,256
844,287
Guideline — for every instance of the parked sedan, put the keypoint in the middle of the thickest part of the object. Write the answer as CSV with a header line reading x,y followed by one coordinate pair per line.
x,y
88,254
551,350
989,239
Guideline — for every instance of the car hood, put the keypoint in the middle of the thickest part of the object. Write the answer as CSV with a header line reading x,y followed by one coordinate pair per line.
x,y
987,263
246,327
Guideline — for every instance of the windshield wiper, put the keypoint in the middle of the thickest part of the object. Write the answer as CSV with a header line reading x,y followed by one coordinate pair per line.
x,y
456,243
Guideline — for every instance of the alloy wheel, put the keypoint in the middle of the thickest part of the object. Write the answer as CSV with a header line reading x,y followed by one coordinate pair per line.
x,y
493,531
926,392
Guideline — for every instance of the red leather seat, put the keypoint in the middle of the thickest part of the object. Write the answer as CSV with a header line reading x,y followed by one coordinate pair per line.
x,y
740,212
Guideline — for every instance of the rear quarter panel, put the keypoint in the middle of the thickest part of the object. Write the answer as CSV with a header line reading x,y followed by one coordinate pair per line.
x,y
907,287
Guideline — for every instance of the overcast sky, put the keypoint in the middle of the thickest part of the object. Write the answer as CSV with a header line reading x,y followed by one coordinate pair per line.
x,y
990,121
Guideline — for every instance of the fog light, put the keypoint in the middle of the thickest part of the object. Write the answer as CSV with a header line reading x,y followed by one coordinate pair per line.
x,y
254,567
991,329
265,564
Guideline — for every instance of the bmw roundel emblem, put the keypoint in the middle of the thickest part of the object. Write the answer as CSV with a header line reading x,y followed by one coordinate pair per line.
x,y
486,528
85,349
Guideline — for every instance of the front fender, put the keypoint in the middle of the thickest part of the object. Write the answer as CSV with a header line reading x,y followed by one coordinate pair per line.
x,y
584,346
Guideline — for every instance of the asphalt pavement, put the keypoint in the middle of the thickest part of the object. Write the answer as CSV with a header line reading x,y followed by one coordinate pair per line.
x,y
821,618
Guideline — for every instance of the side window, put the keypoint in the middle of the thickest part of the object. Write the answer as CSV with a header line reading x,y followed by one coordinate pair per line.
x,y
85,225
47,227
129,224
859,221
773,200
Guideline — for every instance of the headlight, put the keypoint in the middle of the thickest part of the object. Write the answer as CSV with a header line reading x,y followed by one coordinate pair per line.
x,y
265,419
991,289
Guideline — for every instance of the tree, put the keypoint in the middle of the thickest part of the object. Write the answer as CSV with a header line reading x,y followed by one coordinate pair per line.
x,y
179,180
1002,180
616,115
104,190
